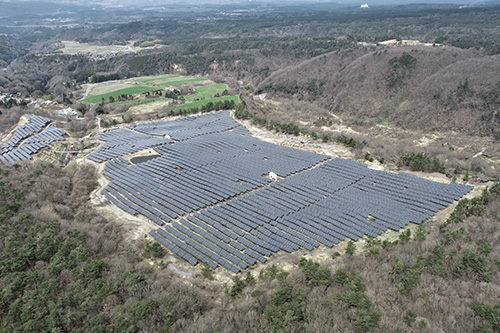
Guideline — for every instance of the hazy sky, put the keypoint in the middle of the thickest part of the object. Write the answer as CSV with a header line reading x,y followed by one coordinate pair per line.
x,y
160,2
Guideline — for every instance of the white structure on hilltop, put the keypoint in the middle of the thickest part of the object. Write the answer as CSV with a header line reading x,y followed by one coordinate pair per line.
x,y
364,6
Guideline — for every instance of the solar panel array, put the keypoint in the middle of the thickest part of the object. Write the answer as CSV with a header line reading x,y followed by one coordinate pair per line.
x,y
337,200
213,205
137,137
29,139
188,127
123,141
208,169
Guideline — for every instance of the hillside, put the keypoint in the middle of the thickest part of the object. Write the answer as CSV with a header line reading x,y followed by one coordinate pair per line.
x,y
415,87
11,49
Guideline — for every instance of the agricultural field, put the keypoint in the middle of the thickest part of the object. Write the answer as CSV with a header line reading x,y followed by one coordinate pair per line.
x,y
180,82
95,93
207,91
204,102
169,80
158,79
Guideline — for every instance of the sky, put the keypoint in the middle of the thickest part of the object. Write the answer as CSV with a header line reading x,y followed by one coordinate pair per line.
x,y
160,2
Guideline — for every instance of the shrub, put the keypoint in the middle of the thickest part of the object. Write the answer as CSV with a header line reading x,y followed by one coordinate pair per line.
x,y
421,162
315,274
286,307
349,142
249,279
421,233
238,286
206,271
153,249
273,272
477,263
349,278
356,299
490,314
367,321
410,317
405,236
484,247
351,248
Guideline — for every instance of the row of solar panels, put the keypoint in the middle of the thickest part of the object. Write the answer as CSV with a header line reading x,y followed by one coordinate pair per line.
x,y
188,127
137,137
123,141
32,145
35,125
209,184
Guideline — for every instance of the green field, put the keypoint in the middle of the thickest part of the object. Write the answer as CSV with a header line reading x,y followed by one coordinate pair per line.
x,y
127,87
178,82
207,91
204,102
117,93
159,78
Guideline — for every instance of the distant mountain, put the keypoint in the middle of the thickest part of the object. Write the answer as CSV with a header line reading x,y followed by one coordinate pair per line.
x,y
133,3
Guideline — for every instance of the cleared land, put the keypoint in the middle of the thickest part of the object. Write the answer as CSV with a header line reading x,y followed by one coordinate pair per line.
x,y
73,47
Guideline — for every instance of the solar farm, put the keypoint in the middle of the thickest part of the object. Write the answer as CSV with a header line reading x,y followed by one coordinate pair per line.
x,y
211,197
29,139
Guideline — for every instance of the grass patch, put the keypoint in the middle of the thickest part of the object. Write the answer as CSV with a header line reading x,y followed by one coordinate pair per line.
x,y
159,78
204,102
207,91
117,93
155,106
178,82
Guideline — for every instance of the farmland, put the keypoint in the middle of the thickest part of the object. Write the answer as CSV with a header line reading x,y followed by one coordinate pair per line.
x,y
137,98
135,86
179,82
207,91
204,102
